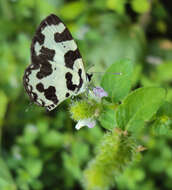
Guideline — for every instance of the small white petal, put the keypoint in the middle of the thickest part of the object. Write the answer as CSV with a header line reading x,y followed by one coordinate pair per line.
x,y
85,122
91,124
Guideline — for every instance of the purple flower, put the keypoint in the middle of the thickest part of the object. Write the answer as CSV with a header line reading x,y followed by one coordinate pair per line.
x,y
90,122
99,92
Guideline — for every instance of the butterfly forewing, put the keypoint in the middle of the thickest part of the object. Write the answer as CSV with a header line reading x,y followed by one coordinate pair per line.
x,y
57,71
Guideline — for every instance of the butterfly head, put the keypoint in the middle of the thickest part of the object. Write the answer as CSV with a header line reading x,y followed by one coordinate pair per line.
x,y
89,76
85,84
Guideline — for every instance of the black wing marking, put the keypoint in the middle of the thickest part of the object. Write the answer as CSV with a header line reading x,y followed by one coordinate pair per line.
x,y
43,52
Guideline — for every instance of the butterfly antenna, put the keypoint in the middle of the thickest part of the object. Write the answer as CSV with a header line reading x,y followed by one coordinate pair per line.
x,y
108,72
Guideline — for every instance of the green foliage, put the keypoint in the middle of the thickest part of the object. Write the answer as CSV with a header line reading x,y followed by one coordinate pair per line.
x,y
140,6
162,125
165,109
6,181
117,5
107,117
41,150
3,106
115,152
163,72
118,86
67,10
138,107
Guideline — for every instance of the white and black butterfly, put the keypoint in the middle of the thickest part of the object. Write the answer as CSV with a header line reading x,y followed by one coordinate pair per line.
x,y
57,70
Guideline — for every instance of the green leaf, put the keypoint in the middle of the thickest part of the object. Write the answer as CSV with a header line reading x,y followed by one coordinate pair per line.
x,y
163,123
107,118
117,5
140,6
119,44
139,106
43,8
81,155
30,134
72,10
6,181
99,4
137,73
3,105
71,165
165,109
118,86
162,126
163,72
52,139
33,167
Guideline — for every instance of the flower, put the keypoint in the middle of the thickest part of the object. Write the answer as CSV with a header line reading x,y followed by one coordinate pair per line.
x,y
90,122
86,111
99,92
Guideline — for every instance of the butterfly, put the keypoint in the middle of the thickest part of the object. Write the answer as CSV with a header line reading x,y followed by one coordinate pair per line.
x,y
57,70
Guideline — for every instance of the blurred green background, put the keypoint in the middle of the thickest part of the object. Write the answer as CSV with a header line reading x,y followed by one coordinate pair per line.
x,y
42,150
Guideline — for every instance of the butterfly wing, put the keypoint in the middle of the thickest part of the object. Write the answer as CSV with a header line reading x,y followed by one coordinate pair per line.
x,y
57,71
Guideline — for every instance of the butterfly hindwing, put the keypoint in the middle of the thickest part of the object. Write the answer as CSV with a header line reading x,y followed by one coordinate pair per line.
x,y
57,71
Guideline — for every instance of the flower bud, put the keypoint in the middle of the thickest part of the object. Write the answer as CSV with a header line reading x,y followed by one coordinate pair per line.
x,y
116,151
84,109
